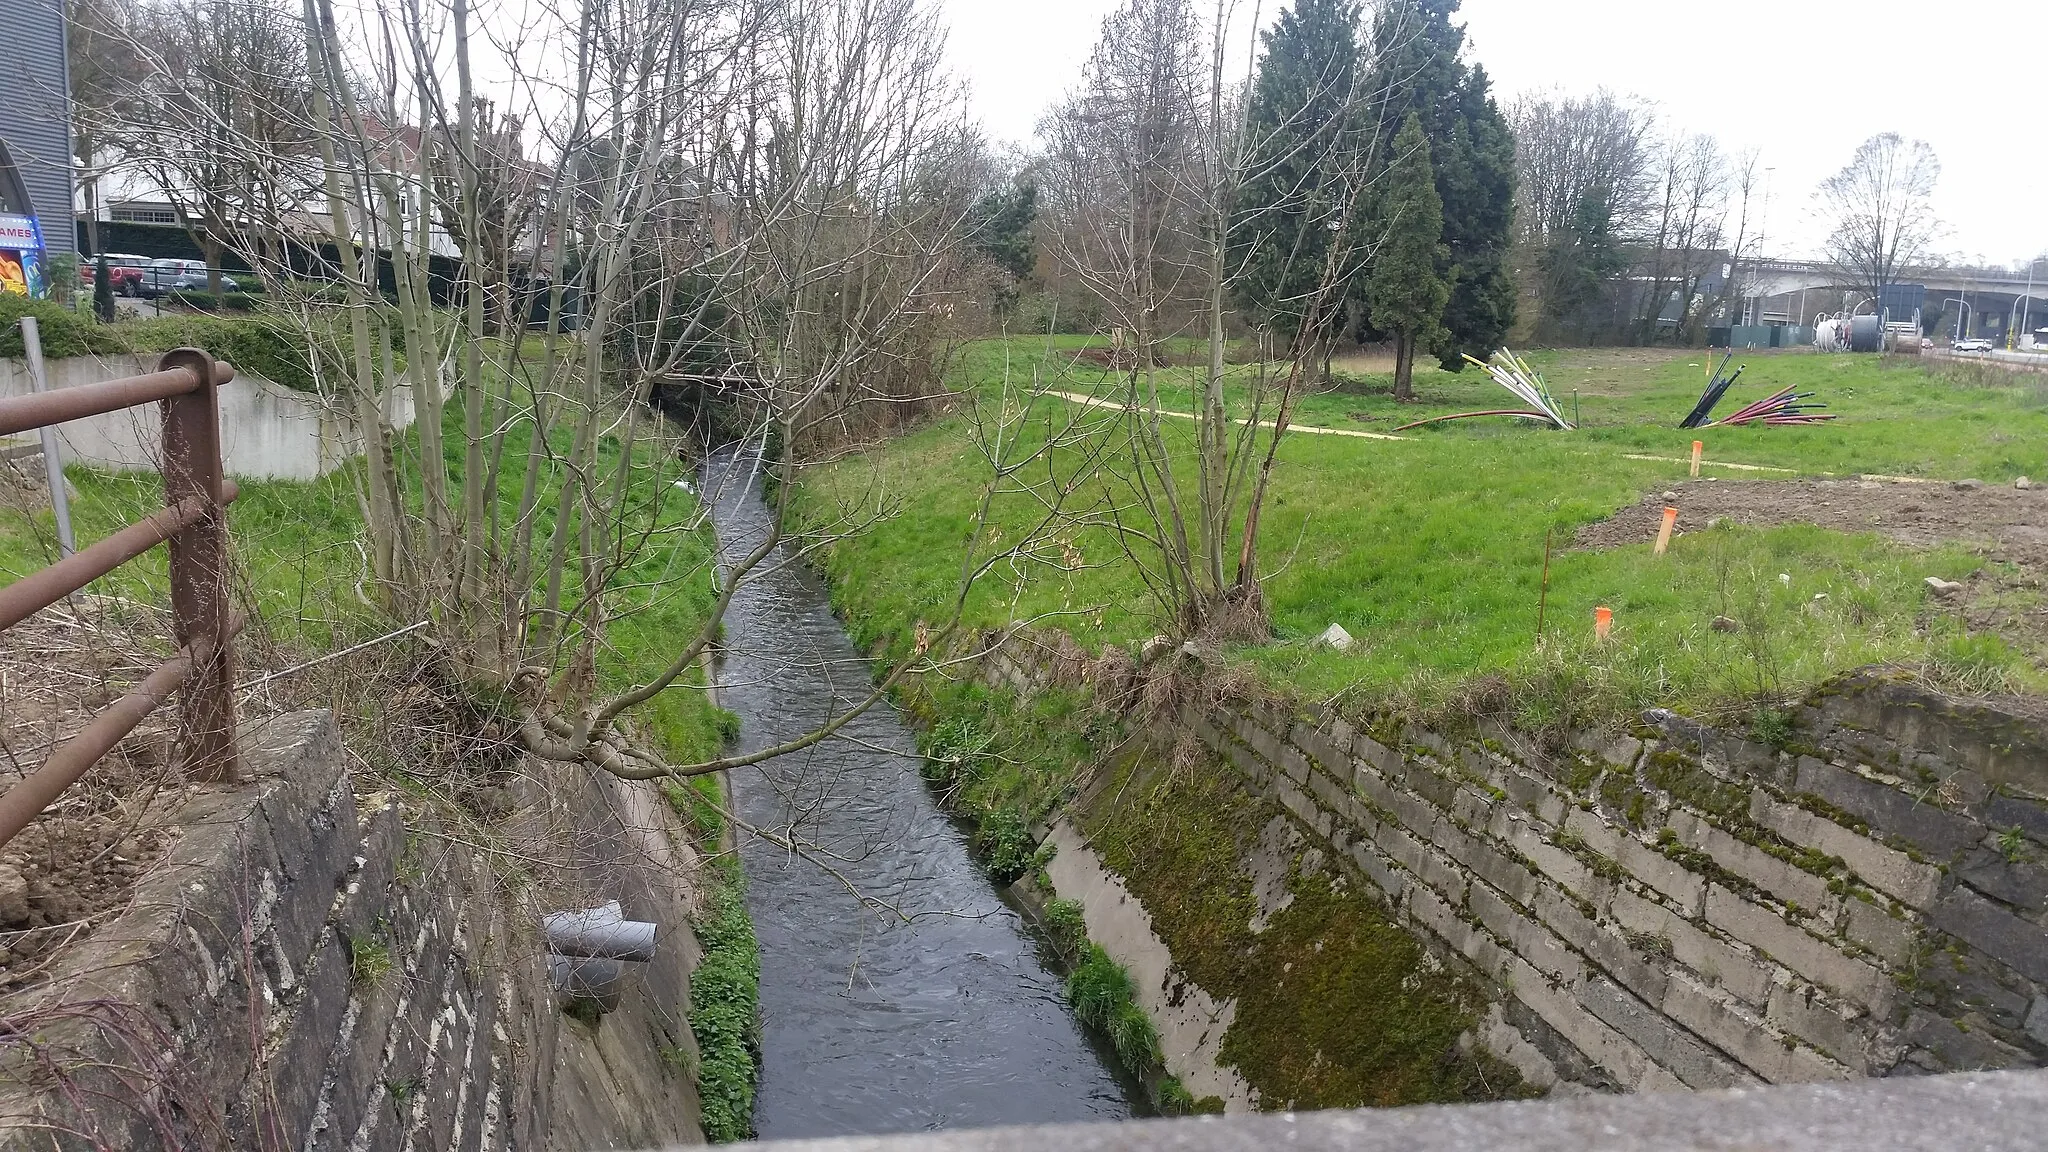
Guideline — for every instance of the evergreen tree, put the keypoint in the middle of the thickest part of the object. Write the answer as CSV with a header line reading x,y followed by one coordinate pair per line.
x,y
1301,110
1577,259
102,290
1000,228
1479,207
1418,71
1406,290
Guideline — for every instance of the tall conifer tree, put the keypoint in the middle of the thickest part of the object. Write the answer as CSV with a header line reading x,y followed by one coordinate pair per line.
x,y
1406,289
1302,109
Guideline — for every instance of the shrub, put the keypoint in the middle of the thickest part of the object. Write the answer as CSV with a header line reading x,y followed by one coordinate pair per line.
x,y
64,332
269,348
725,1000
207,302
1105,999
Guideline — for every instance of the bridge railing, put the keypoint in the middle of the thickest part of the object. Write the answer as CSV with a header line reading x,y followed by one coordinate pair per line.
x,y
193,523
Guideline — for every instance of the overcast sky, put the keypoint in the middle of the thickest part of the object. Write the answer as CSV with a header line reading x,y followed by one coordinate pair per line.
x,y
1802,81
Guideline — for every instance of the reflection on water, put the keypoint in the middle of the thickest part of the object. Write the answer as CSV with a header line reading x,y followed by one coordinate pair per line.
x,y
872,1024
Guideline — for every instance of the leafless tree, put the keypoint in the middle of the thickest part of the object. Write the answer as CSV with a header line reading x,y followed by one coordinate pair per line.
x,y
1584,164
213,113
756,201
1692,198
1747,182
1880,210
1144,163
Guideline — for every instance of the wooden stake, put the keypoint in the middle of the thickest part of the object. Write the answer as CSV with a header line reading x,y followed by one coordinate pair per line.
x,y
1664,532
1543,594
1698,447
1603,622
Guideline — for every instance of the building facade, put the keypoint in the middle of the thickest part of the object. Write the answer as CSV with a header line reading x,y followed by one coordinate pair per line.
x,y
35,144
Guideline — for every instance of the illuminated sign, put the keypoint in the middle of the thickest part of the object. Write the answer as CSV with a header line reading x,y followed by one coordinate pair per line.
x,y
21,256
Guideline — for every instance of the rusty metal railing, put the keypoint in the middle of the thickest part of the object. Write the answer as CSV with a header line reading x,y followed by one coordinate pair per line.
x,y
194,524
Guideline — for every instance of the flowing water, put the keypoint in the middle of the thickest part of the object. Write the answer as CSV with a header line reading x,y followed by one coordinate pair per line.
x,y
872,1024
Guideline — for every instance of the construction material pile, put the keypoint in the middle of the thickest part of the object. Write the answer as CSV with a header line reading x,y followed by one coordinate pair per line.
x,y
1782,407
1514,374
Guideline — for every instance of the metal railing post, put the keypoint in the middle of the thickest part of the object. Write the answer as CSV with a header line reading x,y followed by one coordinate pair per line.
x,y
199,568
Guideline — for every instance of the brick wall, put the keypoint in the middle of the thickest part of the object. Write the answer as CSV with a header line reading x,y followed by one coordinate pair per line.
x,y
1681,906
310,969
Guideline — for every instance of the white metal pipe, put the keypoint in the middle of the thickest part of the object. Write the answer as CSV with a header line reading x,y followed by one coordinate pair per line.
x,y
53,463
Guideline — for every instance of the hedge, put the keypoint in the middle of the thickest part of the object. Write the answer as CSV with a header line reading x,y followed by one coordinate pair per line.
x,y
265,347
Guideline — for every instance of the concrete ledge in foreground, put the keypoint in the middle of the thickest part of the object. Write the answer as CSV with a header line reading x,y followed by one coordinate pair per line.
x,y
1962,1112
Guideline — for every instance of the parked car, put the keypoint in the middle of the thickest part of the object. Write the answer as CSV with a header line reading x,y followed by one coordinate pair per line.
x,y
124,269
190,282
163,275
1970,345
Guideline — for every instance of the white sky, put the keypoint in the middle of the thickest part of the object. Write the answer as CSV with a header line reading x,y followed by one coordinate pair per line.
x,y
1803,81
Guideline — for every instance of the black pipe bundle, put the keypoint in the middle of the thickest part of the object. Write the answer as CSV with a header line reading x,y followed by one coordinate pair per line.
x,y
1717,387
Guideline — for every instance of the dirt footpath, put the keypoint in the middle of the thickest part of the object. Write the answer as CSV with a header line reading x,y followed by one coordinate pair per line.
x,y
2002,522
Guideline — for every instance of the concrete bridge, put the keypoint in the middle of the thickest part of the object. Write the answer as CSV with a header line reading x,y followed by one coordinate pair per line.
x,y
1983,1112
1979,302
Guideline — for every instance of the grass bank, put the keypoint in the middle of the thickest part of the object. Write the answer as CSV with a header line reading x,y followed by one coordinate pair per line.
x,y
301,568
1431,550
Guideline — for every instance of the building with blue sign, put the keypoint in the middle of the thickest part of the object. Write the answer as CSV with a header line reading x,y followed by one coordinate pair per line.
x,y
35,145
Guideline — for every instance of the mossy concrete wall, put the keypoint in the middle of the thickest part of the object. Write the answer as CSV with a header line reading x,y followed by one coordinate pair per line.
x,y
312,968
1680,906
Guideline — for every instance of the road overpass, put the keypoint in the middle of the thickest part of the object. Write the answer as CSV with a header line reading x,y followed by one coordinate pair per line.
x,y
1983,302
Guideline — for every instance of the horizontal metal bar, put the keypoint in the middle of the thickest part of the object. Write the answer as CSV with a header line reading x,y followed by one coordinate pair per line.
x,y
21,413
44,587
26,800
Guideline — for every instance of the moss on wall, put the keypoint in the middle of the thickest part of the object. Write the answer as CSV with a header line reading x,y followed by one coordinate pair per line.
x,y
1337,1004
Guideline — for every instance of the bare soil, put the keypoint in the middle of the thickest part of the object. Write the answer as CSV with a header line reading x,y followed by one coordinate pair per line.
x,y
76,866
2006,525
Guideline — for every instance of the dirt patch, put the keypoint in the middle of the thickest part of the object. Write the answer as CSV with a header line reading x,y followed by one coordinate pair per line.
x,y
2006,525
76,866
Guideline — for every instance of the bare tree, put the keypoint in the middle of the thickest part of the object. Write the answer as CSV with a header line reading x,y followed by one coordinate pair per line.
x,y
1584,184
1880,210
213,114
757,202
1747,185
1692,195
1145,163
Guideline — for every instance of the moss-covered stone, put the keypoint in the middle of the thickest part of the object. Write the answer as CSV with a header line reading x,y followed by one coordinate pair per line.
x,y
1338,1005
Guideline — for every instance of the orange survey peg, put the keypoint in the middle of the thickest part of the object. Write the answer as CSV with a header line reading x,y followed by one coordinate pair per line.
x,y
1664,531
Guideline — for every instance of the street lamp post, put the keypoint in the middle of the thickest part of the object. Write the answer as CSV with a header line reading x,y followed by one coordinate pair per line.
x,y
2023,307
1962,321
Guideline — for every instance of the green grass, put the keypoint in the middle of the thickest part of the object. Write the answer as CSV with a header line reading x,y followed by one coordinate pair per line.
x,y
725,988
1431,551
301,563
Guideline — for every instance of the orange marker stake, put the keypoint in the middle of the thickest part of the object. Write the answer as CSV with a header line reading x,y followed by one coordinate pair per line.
x,y
1603,622
1697,449
1664,533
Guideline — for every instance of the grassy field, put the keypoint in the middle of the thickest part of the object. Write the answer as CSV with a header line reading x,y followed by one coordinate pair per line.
x,y
1430,550
299,546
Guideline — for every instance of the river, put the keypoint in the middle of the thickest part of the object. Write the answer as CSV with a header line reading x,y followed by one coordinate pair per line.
x,y
871,1023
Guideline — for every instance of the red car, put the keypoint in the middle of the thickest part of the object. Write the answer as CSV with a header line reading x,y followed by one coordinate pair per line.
x,y
124,269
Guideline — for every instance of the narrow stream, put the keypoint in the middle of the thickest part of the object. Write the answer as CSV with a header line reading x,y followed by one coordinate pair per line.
x,y
872,1024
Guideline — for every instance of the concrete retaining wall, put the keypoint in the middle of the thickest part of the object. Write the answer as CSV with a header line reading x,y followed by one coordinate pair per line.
x,y
268,431
312,970
1682,907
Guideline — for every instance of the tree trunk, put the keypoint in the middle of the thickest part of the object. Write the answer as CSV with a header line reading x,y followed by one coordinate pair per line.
x,y
1404,367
